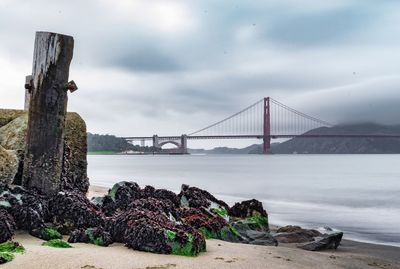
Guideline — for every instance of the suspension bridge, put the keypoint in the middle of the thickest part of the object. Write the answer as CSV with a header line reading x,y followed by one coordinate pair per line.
x,y
266,119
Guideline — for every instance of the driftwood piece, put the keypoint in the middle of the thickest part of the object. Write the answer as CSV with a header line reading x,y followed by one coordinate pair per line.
x,y
47,111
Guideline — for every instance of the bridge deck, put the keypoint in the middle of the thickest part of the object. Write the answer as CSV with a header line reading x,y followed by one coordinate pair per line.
x,y
198,137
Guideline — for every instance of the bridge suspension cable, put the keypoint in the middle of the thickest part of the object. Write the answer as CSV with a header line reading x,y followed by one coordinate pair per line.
x,y
283,120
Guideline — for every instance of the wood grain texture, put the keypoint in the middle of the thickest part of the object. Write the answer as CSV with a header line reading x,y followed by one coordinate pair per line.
x,y
47,111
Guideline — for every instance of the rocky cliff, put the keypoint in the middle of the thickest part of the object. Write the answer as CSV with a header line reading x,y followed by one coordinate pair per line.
x,y
13,127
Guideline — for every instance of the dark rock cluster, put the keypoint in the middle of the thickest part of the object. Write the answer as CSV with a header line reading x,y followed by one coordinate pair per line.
x,y
7,225
148,219
309,239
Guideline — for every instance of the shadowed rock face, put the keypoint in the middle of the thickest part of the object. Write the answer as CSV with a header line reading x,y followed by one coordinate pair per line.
x,y
295,234
13,128
7,225
324,242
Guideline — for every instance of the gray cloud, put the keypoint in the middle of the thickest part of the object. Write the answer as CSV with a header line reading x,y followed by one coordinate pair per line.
x,y
145,67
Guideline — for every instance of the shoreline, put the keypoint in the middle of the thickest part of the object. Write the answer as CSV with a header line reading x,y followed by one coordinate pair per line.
x,y
219,255
96,190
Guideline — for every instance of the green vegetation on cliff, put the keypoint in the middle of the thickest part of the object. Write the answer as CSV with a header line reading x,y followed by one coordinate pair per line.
x,y
110,144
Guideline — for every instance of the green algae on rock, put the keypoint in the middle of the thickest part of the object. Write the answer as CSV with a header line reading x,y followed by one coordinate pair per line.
x,y
6,257
186,248
7,250
12,247
57,243
46,233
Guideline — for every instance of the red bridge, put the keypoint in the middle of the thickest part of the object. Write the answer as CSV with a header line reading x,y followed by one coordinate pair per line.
x,y
266,119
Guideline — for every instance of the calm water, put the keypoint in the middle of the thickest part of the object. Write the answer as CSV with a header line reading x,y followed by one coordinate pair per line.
x,y
359,194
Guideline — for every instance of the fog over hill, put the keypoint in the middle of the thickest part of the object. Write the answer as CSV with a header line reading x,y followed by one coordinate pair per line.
x,y
329,145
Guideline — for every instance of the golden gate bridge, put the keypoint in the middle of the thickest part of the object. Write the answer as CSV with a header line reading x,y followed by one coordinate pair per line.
x,y
266,119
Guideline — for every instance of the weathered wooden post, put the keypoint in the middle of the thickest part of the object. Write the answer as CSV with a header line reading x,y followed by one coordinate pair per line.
x,y
47,111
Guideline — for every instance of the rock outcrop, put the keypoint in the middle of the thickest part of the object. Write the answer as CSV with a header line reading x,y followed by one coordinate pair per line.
x,y
13,128
8,165
324,242
295,234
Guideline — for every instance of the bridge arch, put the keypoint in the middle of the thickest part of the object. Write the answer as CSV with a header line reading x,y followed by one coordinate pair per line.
x,y
177,144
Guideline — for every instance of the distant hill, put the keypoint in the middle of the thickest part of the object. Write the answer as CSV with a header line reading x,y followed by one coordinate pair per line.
x,y
112,144
328,145
344,145
225,150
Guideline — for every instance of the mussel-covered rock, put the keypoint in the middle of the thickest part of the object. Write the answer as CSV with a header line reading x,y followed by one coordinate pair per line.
x,y
249,215
7,225
162,206
146,230
120,196
295,234
197,198
210,226
75,210
28,208
247,209
326,241
161,194
97,236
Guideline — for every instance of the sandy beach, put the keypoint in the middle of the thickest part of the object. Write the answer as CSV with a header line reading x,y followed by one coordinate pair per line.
x,y
219,254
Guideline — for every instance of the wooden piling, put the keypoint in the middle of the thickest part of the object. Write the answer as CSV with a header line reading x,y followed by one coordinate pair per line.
x,y
47,111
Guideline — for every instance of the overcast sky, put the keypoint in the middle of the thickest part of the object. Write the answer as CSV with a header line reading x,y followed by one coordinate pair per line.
x,y
171,67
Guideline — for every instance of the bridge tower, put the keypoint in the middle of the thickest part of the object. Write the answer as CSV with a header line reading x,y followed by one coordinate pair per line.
x,y
184,144
267,127
155,141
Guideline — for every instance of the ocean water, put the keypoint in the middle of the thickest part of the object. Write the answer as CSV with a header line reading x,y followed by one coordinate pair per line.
x,y
358,194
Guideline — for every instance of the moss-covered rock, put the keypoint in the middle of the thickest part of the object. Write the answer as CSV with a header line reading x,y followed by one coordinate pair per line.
x,y
13,129
8,165
7,115
74,174
56,243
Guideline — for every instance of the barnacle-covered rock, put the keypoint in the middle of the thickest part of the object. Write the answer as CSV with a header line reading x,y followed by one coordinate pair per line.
x,y
7,225
97,236
75,210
